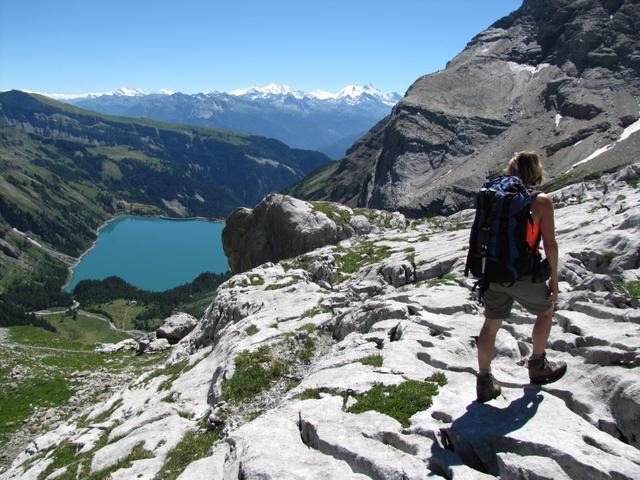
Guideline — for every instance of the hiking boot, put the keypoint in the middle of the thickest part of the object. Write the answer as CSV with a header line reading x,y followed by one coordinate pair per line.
x,y
542,371
486,388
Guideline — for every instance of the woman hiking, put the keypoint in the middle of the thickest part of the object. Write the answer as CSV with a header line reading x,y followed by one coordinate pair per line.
x,y
536,297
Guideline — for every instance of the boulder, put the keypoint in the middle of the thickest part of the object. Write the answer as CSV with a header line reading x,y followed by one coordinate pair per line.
x,y
128,344
279,227
157,345
176,327
150,343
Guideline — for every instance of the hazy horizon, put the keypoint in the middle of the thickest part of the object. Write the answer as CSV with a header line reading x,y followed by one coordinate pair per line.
x,y
74,46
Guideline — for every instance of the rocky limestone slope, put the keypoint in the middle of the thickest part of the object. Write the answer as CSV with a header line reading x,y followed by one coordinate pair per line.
x,y
275,380
560,77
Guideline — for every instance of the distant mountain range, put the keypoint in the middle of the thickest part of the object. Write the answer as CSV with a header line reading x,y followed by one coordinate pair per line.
x,y
318,120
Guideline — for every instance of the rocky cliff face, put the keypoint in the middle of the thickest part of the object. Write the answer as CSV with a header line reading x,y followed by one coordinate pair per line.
x,y
283,227
319,367
560,77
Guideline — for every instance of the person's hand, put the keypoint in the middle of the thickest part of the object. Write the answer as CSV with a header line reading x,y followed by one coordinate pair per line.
x,y
552,288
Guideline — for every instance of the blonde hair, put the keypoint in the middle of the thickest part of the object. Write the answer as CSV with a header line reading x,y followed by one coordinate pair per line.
x,y
527,166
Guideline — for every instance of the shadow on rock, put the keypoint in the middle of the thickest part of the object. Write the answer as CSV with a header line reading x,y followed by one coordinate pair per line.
x,y
479,434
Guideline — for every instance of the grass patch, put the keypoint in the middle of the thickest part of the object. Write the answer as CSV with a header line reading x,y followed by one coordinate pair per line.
x,y
398,401
300,262
255,372
308,350
278,286
137,453
631,288
107,413
52,362
609,255
39,337
338,215
621,197
307,327
359,256
64,454
312,312
411,255
85,330
251,330
373,360
122,313
192,446
446,279
173,371
315,393
439,377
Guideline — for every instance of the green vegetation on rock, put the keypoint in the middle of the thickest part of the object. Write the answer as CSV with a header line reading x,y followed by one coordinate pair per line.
x,y
51,367
631,288
398,401
192,446
251,330
278,286
373,360
254,372
358,256
340,216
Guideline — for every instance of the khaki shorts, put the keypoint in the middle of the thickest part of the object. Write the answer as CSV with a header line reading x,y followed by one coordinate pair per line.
x,y
498,299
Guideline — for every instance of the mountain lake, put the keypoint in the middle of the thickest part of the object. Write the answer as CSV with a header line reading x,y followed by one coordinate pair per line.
x,y
153,253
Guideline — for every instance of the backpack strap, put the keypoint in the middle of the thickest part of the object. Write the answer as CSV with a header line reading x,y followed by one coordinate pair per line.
x,y
538,269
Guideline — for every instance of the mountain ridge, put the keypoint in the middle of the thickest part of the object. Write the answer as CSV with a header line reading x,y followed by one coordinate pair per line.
x,y
557,77
318,120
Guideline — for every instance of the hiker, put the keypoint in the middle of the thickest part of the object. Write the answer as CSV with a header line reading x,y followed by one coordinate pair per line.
x,y
530,292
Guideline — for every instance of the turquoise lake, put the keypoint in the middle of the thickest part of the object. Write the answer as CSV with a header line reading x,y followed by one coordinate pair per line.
x,y
153,253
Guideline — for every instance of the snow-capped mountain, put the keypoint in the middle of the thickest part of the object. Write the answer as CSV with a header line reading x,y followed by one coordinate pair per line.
x,y
118,92
350,93
318,120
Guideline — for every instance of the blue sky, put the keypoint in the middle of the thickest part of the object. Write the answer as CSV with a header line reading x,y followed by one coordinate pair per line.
x,y
73,46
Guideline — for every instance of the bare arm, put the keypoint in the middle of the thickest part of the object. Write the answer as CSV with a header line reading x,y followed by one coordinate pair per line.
x,y
544,211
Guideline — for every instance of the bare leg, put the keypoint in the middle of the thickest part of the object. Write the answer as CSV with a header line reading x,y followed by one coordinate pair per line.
x,y
486,343
541,331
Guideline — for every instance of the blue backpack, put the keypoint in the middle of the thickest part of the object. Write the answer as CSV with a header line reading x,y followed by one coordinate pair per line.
x,y
498,248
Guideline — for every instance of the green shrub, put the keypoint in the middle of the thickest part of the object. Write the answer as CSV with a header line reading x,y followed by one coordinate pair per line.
x,y
314,393
308,350
307,327
360,255
255,372
315,311
251,330
373,360
399,401
631,288
446,279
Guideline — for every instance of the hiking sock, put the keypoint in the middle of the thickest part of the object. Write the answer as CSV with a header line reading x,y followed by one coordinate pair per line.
x,y
484,372
536,356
